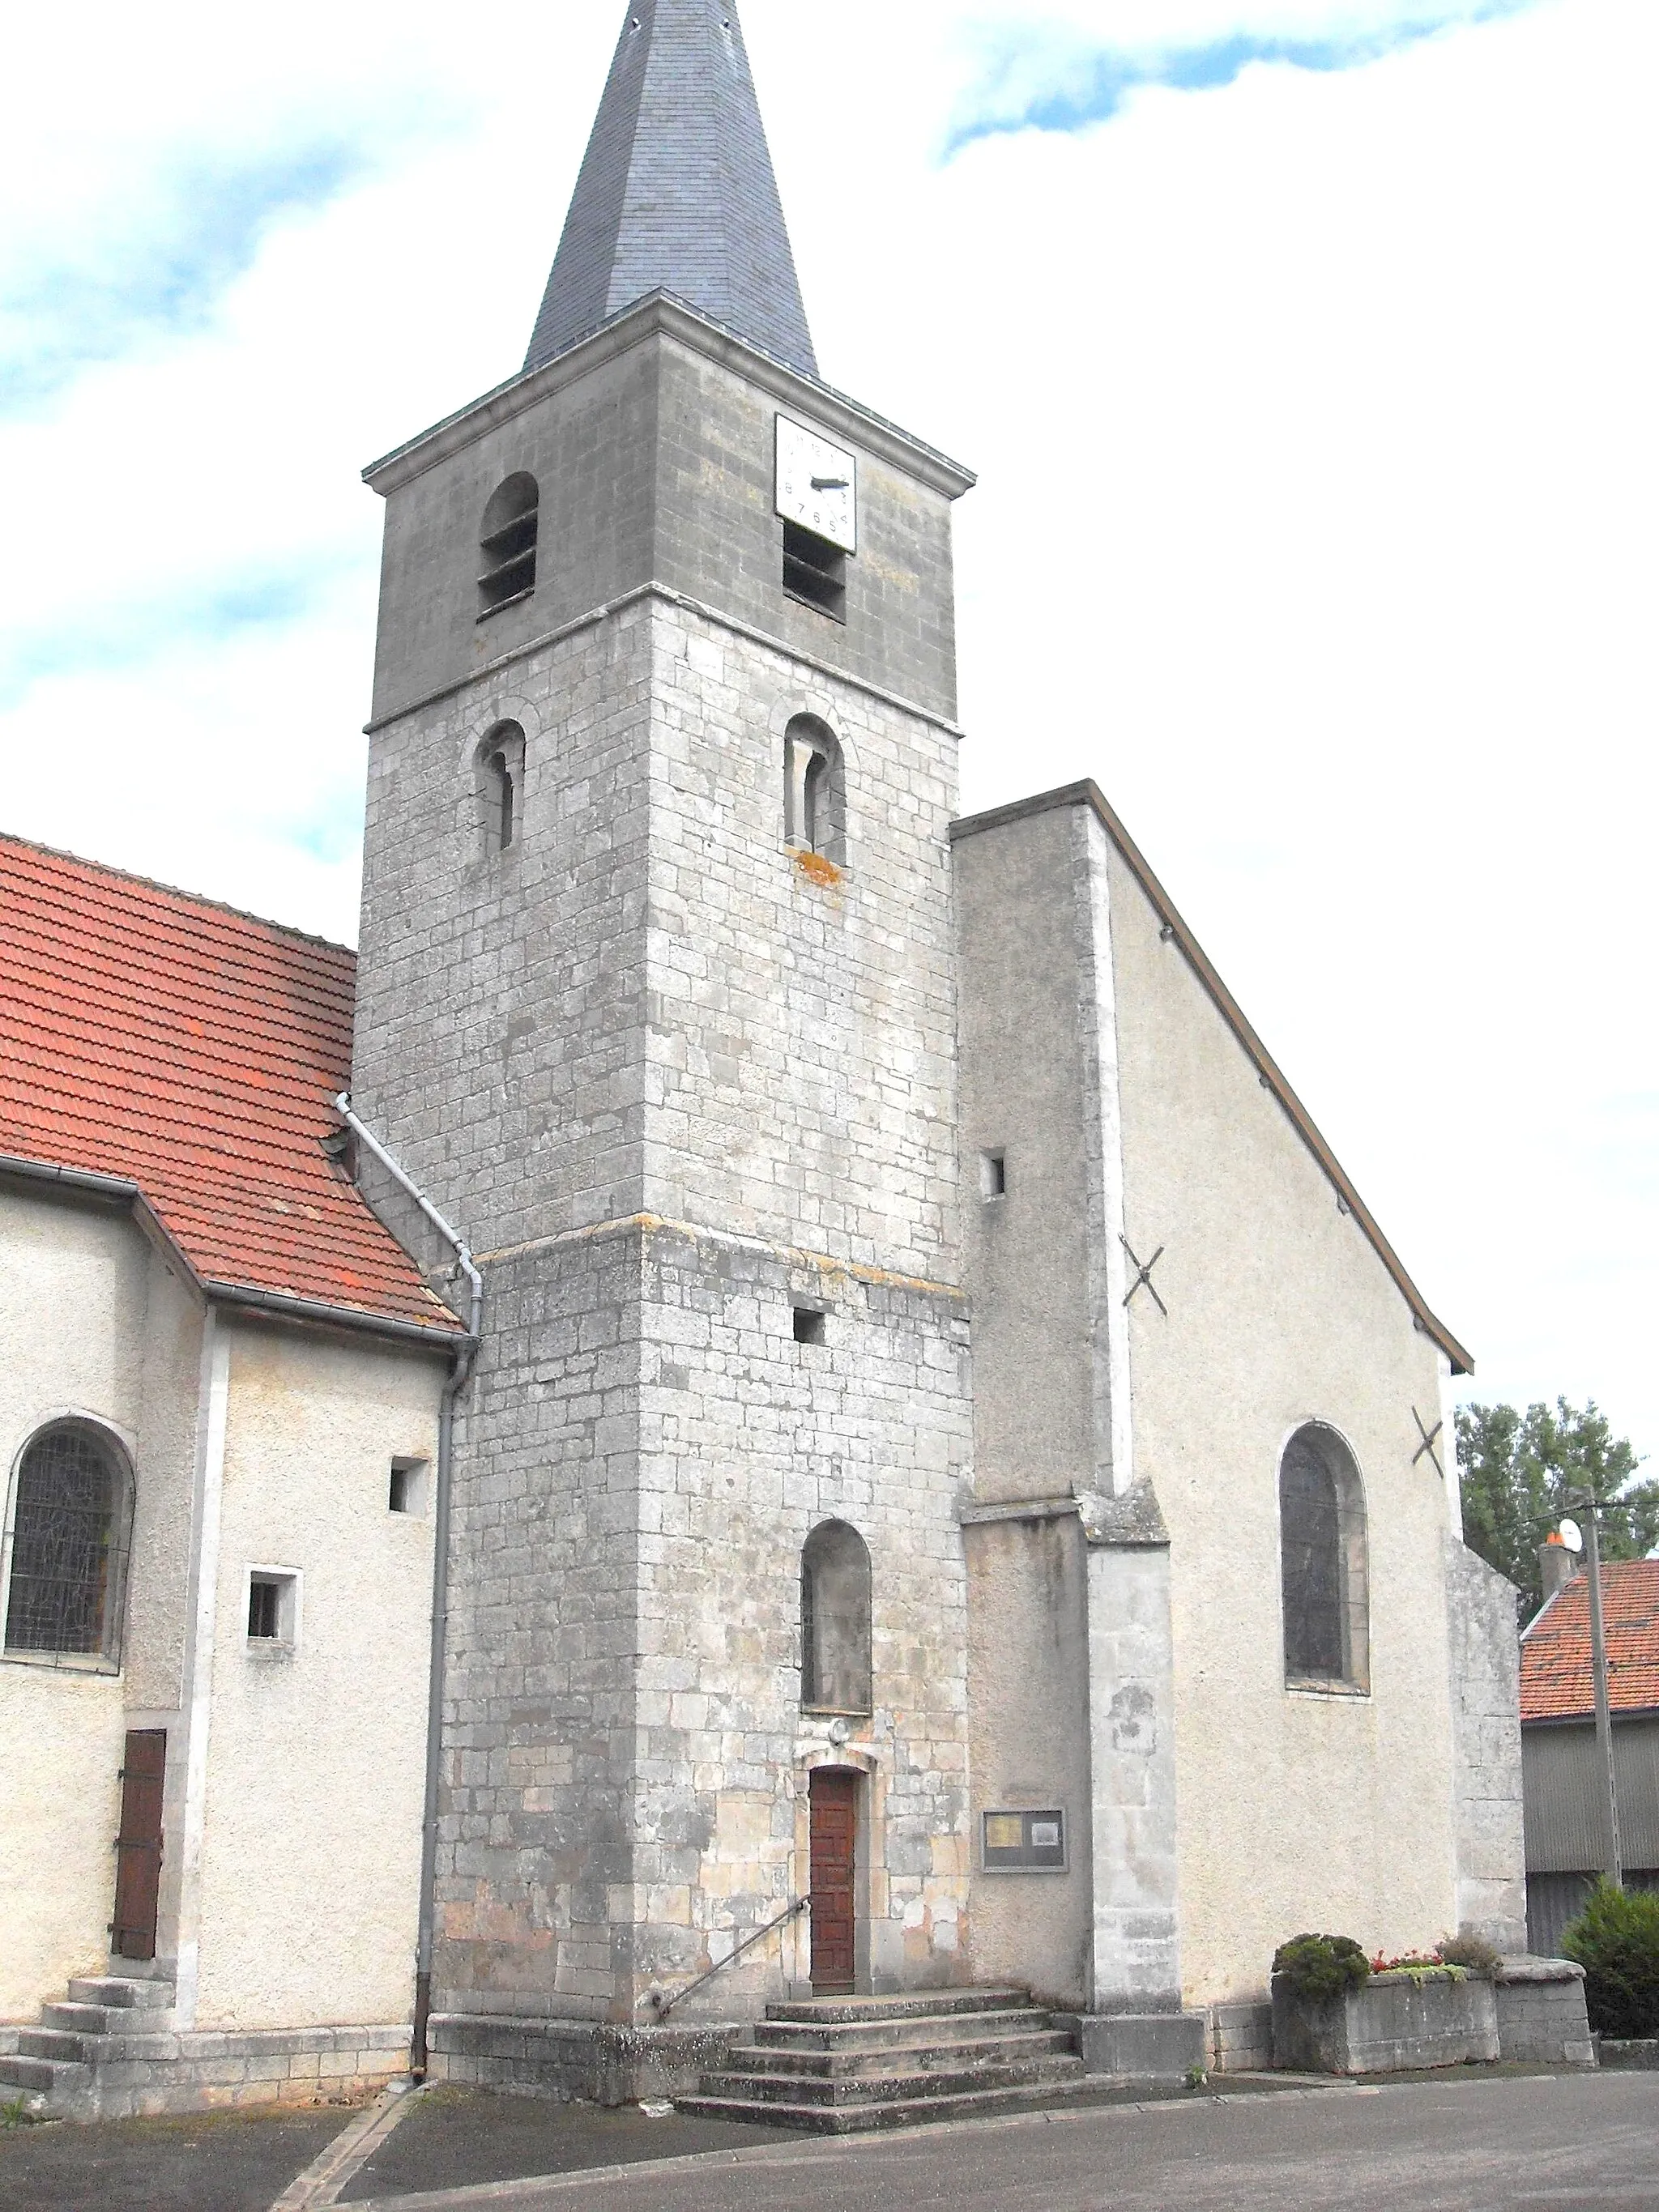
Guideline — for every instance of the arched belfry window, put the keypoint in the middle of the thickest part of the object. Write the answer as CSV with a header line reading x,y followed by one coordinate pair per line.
x,y
512,524
834,1621
1321,1525
815,799
67,1536
500,789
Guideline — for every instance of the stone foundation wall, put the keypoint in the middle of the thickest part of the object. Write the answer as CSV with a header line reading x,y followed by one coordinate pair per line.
x,y
140,2076
562,2060
1241,2038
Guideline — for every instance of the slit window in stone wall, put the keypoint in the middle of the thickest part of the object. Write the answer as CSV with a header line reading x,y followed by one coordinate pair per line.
x,y
501,789
835,1621
66,1546
508,543
1321,1514
814,798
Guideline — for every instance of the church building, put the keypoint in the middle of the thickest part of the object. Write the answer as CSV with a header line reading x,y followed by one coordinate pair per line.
x,y
771,1396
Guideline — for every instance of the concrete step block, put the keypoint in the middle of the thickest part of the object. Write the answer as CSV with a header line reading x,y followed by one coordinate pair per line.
x,y
826,2012
914,2031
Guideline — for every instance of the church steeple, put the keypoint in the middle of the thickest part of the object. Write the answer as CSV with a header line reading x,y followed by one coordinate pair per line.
x,y
677,193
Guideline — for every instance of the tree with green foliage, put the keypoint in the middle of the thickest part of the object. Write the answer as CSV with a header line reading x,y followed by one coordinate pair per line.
x,y
1522,1472
1616,1940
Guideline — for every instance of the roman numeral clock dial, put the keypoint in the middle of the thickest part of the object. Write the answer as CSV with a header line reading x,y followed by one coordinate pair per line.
x,y
818,485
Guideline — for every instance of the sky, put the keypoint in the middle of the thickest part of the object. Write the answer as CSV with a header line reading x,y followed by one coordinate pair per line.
x,y
1307,352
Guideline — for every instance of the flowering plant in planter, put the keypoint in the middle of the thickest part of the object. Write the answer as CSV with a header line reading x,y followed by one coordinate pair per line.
x,y
1429,1967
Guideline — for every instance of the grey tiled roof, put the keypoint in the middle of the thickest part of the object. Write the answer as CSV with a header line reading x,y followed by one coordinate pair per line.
x,y
677,193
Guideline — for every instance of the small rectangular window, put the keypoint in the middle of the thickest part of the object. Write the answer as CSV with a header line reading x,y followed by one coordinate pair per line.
x,y
993,1174
814,570
810,1325
273,1607
408,1489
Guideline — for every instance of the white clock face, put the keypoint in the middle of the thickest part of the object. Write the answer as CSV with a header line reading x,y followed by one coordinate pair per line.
x,y
818,485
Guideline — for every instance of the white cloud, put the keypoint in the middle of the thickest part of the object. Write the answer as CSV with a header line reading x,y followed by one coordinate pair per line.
x,y
1318,464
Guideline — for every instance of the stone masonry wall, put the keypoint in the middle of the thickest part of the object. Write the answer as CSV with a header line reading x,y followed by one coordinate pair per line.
x,y
801,1049
748,1441
499,1038
536,1848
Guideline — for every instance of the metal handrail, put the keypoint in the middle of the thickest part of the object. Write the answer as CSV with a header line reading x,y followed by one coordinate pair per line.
x,y
664,2005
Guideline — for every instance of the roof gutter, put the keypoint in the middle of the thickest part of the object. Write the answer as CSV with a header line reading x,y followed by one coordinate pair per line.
x,y
465,1356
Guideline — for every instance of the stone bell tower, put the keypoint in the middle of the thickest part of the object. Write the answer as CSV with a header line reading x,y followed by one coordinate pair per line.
x,y
657,1001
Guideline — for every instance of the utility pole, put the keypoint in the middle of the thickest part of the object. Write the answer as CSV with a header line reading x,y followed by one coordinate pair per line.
x,y
1603,1708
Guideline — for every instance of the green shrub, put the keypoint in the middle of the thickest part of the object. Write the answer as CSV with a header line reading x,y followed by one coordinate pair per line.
x,y
1321,1968
1616,1940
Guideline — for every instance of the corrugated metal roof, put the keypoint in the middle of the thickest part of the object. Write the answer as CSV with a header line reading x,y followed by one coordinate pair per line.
x,y
196,1052
1556,1683
677,193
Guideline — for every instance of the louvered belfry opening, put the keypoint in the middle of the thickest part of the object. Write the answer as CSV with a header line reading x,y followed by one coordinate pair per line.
x,y
68,1541
511,528
814,570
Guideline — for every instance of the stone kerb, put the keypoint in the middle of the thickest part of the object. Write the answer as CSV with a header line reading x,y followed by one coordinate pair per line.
x,y
1541,2016
1392,2023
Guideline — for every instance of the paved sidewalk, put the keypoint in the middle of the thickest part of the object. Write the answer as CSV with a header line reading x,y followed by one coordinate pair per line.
x,y
1500,2140
1571,2143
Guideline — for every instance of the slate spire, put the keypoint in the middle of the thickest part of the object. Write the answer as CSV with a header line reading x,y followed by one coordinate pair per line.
x,y
677,193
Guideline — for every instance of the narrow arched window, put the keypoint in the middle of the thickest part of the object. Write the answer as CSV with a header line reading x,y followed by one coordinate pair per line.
x,y
1321,1520
834,1621
500,789
67,1539
814,799
512,524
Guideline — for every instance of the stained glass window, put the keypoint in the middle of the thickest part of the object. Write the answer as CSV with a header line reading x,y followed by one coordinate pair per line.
x,y
1322,1522
68,1546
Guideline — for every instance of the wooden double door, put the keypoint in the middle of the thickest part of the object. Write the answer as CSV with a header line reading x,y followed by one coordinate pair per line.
x,y
835,1833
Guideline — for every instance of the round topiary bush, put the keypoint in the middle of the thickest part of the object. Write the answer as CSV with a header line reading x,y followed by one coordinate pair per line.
x,y
1616,1940
1319,1968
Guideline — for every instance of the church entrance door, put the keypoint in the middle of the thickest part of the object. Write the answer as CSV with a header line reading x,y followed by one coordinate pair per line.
x,y
138,1846
834,1855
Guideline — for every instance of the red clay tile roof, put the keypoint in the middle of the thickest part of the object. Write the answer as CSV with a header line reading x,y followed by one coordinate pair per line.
x,y
1555,1651
194,1051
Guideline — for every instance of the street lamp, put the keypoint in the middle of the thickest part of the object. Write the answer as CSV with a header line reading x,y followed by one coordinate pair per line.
x,y
1572,1537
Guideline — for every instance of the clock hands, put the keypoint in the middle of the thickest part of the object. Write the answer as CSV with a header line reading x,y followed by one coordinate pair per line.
x,y
830,484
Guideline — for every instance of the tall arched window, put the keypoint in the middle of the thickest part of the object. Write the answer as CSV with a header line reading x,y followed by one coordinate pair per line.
x,y
501,787
67,1539
814,797
512,522
834,1621
1321,1525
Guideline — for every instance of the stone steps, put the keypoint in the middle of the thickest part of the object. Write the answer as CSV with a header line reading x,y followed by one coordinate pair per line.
x,y
904,2112
915,2031
53,2064
851,2064
835,2066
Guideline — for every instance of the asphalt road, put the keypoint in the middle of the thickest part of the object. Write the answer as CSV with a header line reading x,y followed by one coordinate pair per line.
x,y
1590,2144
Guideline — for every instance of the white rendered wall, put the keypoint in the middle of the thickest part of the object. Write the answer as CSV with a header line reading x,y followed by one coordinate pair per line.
x,y
315,1768
1296,1809
97,1326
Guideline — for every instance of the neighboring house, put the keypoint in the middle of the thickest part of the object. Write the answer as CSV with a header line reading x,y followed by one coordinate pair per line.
x,y
947,1438
1562,1763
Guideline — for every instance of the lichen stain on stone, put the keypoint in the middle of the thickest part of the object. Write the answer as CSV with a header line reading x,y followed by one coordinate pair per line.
x,y
817,870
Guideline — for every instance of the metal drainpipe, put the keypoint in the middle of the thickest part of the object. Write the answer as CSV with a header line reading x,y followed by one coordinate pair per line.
x,y
460,1374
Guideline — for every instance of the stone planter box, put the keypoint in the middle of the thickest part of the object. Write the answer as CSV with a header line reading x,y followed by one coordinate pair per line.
x,y
1393,2024
1541,2013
